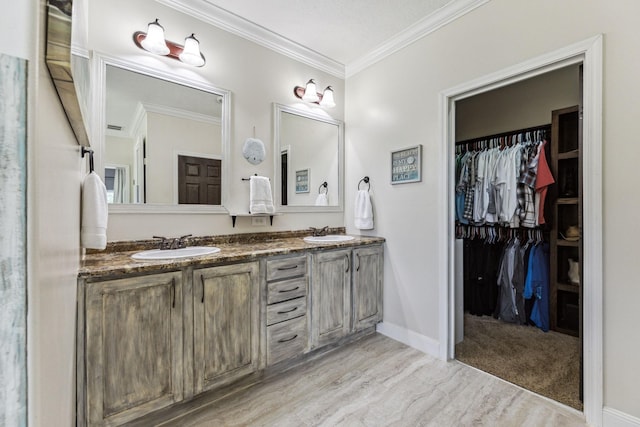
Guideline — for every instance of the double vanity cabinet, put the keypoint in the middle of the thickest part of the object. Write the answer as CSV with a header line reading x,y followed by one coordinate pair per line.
x,y
152,335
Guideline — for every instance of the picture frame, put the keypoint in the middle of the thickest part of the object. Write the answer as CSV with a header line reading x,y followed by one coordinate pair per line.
x,y
406,165
302,181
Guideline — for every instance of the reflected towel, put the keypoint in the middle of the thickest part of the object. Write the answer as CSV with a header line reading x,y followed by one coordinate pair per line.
x,y
93,232
363,211
322,200
260,200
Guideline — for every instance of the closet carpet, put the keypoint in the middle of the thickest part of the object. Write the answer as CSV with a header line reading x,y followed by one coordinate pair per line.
x,y
546,363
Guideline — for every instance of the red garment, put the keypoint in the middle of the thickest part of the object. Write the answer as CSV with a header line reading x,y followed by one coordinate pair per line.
x,y
543,180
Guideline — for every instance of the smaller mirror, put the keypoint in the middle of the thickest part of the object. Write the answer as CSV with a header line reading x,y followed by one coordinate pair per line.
x,y
309,161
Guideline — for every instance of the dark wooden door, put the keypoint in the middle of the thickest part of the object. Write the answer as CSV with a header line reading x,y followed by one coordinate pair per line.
x,y
199,181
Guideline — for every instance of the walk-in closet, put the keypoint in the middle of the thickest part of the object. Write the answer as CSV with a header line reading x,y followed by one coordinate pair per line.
x,y
518,226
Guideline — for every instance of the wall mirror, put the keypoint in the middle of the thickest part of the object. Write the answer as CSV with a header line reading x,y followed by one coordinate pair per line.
x,y
163,140
309,160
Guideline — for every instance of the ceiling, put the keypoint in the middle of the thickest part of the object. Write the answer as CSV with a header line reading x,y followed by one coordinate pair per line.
x,y
341,30
340,37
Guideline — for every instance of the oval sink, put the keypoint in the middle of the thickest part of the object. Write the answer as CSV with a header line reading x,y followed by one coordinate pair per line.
x,y
175,253
331,238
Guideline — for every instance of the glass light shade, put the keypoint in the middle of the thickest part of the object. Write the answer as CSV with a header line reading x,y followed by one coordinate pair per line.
x,y
327,98
154,41
191,53
310,94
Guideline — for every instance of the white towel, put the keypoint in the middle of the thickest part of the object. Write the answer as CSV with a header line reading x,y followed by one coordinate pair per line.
x,y
322,200
93,233
260,200
363,211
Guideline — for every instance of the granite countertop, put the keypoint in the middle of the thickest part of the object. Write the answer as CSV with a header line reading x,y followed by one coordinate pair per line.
x,y
117,261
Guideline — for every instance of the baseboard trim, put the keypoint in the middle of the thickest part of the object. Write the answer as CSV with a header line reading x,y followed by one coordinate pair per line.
x,y
614,418
410,338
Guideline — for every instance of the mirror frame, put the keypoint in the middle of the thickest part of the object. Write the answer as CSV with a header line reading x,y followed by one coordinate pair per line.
x,y
58,60
278,109
98,94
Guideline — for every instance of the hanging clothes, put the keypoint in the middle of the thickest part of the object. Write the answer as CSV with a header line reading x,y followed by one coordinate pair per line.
x,y
537,285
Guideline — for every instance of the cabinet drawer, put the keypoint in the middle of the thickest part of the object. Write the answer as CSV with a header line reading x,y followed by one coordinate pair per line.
x,y
286,267
286,290
286,340
277,313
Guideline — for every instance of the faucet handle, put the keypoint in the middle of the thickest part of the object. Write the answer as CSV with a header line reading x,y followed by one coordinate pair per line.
x,y
181,240
164,242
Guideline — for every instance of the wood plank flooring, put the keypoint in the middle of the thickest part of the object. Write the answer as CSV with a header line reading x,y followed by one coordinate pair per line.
x,y
380,382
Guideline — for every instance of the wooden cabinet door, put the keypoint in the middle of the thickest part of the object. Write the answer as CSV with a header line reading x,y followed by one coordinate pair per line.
x,y
226,311
134,341
330,296
367,286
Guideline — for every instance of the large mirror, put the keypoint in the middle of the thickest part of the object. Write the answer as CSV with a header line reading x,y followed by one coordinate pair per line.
x,y
309,160
164,140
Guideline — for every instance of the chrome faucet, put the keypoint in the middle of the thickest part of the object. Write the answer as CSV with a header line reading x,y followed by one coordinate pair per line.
x,y
172,243
320,231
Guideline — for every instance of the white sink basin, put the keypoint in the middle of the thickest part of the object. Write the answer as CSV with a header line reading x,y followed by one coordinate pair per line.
x,y
175,253
331,238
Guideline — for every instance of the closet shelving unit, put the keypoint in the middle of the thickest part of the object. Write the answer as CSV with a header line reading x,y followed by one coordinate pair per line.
x,y
565,303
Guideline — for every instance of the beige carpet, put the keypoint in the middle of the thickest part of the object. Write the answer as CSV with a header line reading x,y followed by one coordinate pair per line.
x,y
545,363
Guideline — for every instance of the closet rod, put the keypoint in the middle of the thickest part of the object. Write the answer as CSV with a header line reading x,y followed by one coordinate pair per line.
x,y
546,128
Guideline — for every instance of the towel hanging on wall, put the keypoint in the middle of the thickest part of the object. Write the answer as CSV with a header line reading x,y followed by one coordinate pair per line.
x,y
260,199
363,210
95,213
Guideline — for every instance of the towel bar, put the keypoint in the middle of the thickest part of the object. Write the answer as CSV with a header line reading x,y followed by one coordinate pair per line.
x,y
366,181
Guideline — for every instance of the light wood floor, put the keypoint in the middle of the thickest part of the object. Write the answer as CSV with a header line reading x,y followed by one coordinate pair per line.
x,y
380,382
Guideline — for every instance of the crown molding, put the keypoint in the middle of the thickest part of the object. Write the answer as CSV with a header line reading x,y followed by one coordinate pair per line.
x,y
234,24
218,17
422,28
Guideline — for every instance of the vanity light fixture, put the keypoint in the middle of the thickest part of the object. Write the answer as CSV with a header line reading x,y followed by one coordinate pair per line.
x,y
309,94
153,41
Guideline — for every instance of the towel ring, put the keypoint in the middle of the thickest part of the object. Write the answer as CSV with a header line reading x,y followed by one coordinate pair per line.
x,y
326,188
366,181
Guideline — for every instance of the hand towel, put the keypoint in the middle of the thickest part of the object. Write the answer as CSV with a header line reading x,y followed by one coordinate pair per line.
x,y
363,211
95,212
260,200
322,200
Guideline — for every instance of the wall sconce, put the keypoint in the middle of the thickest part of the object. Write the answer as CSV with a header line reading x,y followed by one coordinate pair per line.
x,y
153,41
309,93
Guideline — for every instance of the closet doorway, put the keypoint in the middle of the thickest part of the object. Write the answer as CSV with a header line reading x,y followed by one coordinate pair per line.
x,y
589,54
504,141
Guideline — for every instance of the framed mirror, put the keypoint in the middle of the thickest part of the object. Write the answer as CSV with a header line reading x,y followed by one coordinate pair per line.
x,y
60,61
163,139
309,161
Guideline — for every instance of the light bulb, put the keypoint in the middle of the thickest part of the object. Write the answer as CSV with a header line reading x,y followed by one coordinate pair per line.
x,y
327,98
154,40
191,53
310,94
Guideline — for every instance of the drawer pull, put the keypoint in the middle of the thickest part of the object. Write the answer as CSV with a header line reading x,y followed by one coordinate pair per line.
x,y
288,339
291,267
282,291
288,311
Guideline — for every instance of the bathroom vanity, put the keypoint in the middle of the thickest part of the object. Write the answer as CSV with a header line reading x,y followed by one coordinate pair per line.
x,y
155,335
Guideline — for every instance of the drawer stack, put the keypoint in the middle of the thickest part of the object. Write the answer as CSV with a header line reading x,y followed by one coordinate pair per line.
x,y
287,290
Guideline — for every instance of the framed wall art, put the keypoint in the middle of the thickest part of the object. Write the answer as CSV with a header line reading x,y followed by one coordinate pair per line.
x,y
406,165
302,181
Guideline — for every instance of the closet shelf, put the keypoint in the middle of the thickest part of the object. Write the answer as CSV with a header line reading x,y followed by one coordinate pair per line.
x,y
568,201
568,287
573,154
574,243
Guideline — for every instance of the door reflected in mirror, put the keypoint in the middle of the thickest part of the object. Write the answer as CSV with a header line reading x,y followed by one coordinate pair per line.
x,y
163,142
309,160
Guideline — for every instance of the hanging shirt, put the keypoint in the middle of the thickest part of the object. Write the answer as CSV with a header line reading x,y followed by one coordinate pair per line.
x,y
544,179
537,285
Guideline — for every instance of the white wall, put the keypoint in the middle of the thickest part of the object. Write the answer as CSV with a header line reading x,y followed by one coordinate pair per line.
x,y
55,172
256,76
497,35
